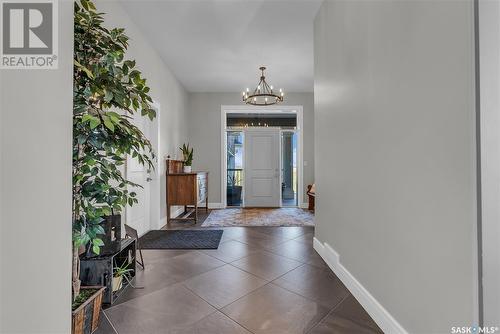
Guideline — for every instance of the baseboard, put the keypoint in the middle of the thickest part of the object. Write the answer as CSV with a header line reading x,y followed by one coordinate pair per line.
x,y
215,206
175,213
163,222
378,313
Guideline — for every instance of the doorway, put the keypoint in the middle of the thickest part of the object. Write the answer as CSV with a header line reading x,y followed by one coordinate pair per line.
x,y
262,151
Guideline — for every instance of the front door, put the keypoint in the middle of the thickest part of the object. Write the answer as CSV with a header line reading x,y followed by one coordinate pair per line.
x,y
262,165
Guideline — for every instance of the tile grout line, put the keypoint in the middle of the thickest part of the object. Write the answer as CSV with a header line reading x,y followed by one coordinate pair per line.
x,y
308,298
227,315
110,322
217,309
328,314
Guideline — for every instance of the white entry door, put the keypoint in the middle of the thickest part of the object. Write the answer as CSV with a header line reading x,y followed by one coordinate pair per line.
x,y
140,214
262,165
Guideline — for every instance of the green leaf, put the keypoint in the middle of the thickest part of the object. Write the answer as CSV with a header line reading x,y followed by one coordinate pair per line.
x,y
84,69
96,249
108,96
97,242
94,122
109,124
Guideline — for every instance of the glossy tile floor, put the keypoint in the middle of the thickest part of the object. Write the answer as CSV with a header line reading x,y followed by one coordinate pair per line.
x,y
260,280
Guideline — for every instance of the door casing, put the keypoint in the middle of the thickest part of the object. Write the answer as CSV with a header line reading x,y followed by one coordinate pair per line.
x,y
294,109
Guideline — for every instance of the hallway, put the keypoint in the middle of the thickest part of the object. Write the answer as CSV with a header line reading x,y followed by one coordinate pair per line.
x,y
260,280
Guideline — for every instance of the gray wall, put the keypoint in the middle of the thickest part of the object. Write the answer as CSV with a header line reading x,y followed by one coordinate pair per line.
x,y
395,153
35,192
165,88
204,131
489,43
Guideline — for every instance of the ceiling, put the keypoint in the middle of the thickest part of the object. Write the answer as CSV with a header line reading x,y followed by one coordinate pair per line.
x,y
218,45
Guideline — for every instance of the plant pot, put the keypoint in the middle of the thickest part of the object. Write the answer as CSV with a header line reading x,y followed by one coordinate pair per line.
x,y
113,228
85,318
187,169
117,283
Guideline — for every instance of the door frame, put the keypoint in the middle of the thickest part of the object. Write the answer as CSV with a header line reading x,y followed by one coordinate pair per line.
x,y
294,109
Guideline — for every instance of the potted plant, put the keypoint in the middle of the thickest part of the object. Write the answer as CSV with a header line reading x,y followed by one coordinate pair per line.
x,y
108,92
119,273
187,154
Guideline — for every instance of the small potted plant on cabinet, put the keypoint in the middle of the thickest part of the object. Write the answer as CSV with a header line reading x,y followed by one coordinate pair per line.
x,y
119,273
187,155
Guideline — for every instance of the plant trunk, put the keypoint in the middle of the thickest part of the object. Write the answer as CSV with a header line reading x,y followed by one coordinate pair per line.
x,y
76,273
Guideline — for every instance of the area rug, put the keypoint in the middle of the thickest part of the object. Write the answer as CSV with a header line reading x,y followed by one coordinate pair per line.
x,y
259,217
181,239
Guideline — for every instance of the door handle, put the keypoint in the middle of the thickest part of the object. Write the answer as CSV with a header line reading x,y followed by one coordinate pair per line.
x,y
148,179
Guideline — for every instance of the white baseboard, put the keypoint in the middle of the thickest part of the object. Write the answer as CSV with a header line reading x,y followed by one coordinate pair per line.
x,y
176,212
163,222
215,206
379,314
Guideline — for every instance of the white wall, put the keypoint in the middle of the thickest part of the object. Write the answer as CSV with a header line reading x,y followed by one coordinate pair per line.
x,y
489,48
165,89
395,154
35,178
204,130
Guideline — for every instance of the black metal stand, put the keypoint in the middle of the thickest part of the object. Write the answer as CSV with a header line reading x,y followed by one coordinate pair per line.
x,y
98,270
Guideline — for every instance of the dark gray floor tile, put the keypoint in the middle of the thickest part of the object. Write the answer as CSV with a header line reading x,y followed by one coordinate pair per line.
x,y
351,310
230,251
223,285
167,271
163,311
266,265
318,284
274,310
105,326
296,250
216,323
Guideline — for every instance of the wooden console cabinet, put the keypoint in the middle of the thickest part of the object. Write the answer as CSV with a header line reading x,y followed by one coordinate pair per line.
x,y
187,189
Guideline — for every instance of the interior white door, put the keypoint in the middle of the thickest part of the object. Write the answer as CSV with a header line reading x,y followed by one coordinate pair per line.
x,y
262,165
138,216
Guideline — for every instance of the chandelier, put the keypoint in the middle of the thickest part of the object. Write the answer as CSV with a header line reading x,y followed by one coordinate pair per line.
x,y
263,95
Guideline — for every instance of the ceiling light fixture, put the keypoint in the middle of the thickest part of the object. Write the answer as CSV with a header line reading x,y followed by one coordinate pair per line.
x,y
263,95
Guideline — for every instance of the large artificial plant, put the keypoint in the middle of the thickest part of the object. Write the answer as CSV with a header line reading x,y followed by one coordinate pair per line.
x,y
108,92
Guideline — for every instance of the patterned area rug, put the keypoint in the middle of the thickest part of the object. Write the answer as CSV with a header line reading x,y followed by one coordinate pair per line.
x,y
259,217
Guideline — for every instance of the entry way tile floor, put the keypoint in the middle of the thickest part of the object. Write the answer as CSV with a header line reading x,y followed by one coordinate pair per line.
x,y
260,280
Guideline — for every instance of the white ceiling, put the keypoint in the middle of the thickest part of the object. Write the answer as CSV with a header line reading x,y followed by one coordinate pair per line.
x,y
218,45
